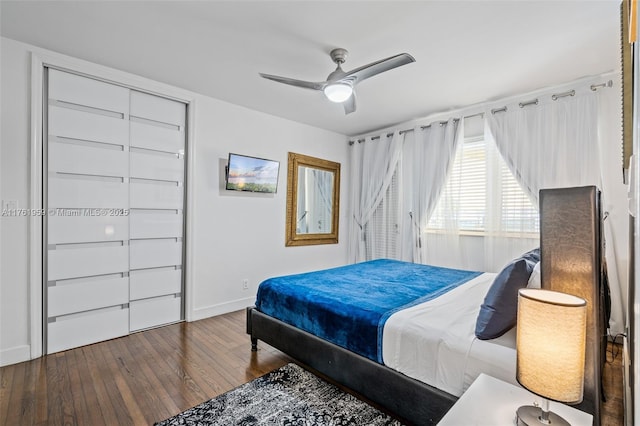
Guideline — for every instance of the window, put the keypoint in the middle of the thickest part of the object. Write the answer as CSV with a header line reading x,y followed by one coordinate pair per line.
x,y
518,214
482,196
382,231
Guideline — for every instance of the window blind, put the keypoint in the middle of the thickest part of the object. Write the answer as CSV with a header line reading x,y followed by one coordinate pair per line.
x,y
382,231
465,197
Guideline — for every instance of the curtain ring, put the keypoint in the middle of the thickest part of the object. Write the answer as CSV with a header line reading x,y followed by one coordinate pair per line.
x,y
555,97
532,102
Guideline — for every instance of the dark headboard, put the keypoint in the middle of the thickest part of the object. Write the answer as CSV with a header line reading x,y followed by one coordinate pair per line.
x,y
571,257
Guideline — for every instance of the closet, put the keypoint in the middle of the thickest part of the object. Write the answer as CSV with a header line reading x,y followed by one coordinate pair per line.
x,y
114,197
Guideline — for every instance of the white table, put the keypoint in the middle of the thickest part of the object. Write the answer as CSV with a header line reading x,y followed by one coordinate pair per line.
x,y
492,402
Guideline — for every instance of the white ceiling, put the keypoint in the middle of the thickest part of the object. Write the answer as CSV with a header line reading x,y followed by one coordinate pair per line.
x,y
466,51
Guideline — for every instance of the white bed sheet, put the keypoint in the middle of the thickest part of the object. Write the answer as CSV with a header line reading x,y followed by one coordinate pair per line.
x,y
435,342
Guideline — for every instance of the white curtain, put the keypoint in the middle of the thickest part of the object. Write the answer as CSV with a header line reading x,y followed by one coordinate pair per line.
x,y
476,224
382,232
396,181
557,143
373,165
551,145
569,141
429,154
511,218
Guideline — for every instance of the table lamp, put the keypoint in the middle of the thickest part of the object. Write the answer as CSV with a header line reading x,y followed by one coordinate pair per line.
x,y
551,334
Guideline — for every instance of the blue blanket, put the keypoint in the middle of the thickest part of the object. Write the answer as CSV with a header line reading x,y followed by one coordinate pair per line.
x,y
349,305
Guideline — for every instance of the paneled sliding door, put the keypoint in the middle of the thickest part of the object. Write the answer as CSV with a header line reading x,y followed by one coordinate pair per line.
x,y
156,199
114,219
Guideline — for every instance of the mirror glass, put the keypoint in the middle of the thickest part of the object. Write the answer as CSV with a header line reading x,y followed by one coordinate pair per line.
x,y
313,187
315,190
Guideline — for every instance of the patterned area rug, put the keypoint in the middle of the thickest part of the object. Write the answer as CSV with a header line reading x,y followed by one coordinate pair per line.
x,y
287,396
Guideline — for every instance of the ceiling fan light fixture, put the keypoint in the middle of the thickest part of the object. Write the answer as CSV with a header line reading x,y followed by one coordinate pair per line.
x,y
339,85
338,92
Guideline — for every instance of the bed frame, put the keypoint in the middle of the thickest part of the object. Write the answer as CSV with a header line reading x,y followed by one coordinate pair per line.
x,y
420,404
411,400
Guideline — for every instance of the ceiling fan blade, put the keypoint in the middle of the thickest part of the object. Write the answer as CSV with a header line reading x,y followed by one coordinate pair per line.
x,y
350,104
294,82
375,68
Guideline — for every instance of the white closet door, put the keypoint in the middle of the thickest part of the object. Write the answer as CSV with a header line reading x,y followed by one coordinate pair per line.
x,y
115,197
87,229
156,198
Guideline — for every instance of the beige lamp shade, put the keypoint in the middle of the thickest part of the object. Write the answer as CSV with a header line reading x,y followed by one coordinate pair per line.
x,y
551,333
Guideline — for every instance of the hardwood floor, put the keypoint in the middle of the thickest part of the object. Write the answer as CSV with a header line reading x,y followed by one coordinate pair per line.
x,y
152,375
135,380
613,408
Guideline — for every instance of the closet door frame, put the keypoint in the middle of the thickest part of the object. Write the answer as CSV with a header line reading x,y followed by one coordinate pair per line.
x,y
37,269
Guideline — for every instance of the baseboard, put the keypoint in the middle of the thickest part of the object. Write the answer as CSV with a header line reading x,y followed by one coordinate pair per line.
x,y
222,308
15,355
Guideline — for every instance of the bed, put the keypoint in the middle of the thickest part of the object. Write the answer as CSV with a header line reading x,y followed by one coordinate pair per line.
x,y
413,350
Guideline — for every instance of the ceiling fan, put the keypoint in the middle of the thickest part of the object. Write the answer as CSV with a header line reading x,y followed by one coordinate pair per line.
x,y
339,86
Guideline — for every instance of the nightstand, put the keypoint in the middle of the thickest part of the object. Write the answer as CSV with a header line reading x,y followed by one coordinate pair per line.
x,y
492,402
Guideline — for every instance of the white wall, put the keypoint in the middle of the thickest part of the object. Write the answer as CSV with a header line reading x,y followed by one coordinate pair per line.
x,y
239,235
234,235
14,180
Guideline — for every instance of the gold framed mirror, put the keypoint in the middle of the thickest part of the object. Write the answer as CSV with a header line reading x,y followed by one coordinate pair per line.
x,y
313,201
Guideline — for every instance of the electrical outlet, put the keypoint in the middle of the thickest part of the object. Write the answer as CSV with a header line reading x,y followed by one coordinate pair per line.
x,y
245,284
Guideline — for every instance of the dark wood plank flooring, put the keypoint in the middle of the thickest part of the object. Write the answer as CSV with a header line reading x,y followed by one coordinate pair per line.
x,y
613,408
135,380
152,375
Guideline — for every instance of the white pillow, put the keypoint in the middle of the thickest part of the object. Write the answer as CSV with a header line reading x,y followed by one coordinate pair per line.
x,y
534,279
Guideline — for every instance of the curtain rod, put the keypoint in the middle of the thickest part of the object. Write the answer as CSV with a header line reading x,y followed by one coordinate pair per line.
x,y
442,123
555,97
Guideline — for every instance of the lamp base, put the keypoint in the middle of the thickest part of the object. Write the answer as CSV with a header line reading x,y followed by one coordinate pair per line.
x,y
532,416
